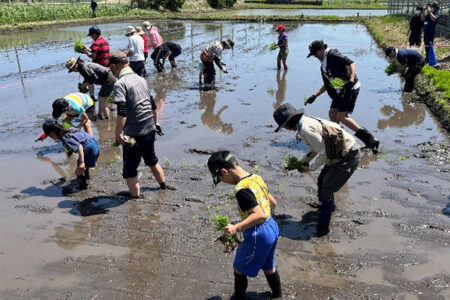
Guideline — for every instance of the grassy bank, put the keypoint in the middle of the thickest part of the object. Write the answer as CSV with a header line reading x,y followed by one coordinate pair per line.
x,y
432,85
325,5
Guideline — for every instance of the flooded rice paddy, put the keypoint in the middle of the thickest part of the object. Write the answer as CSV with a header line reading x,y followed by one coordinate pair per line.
x,y
389,237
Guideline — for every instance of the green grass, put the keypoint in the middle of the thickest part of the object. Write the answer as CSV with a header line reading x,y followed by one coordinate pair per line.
x,y
327,5
440,79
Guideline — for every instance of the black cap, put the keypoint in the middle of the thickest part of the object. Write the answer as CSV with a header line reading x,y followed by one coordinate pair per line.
x,y
286,113
314,46
389,50
435,4
59,106
94,30
220,160
49,126
229,43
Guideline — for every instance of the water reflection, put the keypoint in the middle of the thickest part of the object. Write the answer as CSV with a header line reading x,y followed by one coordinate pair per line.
x,y
211,119
412,114
281,90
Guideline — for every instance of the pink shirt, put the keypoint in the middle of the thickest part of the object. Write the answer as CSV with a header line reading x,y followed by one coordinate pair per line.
x,y
155,39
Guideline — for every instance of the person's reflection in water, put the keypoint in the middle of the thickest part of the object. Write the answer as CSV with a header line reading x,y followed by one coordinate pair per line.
x,y
282,87
412,114
211,119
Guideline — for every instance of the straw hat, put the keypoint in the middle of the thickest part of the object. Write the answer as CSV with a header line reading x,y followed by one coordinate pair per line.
x,y
139,30
70,63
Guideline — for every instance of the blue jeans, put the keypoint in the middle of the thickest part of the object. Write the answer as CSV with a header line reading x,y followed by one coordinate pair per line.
x,y
331,179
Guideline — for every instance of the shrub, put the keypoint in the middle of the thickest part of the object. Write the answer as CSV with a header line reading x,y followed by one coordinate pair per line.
x,y
218,4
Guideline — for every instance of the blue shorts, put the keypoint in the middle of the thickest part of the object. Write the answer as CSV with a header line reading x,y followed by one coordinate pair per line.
x,y
91,152
257,251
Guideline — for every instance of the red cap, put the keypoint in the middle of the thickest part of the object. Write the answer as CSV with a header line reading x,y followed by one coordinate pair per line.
x,y
280,27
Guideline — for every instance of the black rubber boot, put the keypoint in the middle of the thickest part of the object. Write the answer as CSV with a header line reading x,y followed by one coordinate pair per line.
x,y
82,184
368,139
240,286
86,174
275,285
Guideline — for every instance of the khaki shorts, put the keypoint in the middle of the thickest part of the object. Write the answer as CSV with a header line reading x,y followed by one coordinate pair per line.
x,y
283,54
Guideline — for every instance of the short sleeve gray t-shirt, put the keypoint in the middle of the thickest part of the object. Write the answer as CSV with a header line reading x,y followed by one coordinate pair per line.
x,y
136,45
133,90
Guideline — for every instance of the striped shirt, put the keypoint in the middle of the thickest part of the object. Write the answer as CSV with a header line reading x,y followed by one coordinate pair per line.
x,y
102,47
78,103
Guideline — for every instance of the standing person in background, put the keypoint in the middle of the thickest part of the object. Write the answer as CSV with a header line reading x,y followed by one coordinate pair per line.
x,y
415,28
135,51
136,120
99,50
157,43
145,38
429,26
335,65
282,44
93,73
94,8
210,55
174,51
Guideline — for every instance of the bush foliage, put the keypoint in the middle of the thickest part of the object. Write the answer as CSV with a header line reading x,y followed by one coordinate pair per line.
x,y
218,4
156,4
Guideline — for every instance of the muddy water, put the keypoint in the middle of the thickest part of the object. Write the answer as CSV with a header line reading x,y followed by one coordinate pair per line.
x,y
389,238
311,12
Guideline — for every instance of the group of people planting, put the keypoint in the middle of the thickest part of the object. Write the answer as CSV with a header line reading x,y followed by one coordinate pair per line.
x,y
123,75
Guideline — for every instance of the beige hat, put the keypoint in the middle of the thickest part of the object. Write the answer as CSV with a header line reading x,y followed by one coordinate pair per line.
x,y
139,30
70,63
130,30
146,24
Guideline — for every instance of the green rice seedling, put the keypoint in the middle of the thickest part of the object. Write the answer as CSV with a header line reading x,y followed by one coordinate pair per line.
x,y
220,222
115,144
273,46
256,169
208,205
392,68
291,162
337,83
110,98
196,165
228,206
186,164
78,47
167,161
402,158
117,157
305,99
281,188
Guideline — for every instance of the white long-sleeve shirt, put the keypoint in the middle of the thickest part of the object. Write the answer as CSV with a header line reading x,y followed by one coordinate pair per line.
x,y
310,131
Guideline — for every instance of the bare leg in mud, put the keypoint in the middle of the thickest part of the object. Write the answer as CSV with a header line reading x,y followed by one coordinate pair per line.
x,y
158,173
342,117
103,107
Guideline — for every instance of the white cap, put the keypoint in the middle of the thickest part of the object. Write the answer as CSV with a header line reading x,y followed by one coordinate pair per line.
x,y
130,30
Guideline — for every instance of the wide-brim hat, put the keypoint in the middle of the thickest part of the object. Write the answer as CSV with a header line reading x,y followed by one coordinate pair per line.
x,y
130,29
284,114
139,30
315,46
146,24
71,62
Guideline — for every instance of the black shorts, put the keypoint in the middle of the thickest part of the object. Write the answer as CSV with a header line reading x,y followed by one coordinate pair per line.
x,y
346,102
144,148
108,86
138,67
174,53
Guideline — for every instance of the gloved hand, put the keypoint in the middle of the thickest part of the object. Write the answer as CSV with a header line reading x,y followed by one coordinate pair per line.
x,y
310,100
159,130
224,70
349,85
304,167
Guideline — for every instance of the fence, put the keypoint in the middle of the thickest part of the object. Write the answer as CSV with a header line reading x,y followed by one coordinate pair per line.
x,y
56,2
407,7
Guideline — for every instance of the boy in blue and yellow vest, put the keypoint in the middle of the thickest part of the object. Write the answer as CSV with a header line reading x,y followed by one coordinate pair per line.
x,y
260,231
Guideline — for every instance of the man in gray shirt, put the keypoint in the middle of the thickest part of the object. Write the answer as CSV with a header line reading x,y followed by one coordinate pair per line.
x,y
136,51
136,123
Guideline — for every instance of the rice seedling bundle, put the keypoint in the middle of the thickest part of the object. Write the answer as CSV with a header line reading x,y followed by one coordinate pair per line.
x,y
337,83
273,46
78,47
291,162
391,68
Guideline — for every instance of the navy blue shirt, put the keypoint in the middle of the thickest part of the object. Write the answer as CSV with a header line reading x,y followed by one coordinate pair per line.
x,y
410,57
429,27
73,140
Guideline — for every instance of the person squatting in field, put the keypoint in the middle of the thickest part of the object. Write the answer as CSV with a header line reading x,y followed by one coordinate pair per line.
x,y
210,55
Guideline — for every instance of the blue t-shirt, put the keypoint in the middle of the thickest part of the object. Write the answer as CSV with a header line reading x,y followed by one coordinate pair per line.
x,y
281,39
73,140
410,57
429,26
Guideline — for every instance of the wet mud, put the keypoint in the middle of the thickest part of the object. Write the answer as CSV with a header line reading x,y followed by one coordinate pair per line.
x,y
390,233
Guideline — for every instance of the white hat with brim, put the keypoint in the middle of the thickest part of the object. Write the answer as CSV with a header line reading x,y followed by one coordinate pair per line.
x,y
146,24
139,30
130,30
